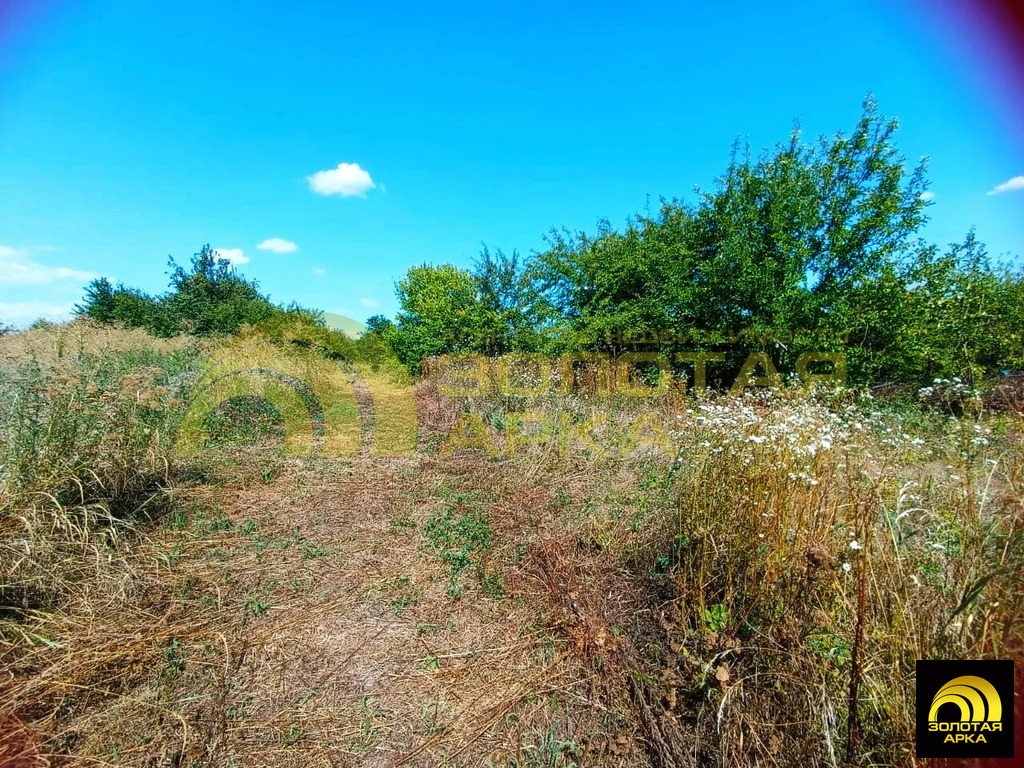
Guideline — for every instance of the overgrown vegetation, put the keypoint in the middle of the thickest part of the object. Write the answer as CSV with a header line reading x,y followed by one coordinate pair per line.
x,y
87,425
814,246
209,298
787,567
821,239
754,588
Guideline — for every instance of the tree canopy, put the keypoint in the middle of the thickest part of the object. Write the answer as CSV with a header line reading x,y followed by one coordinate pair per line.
x,y
812,246
209,297
820,236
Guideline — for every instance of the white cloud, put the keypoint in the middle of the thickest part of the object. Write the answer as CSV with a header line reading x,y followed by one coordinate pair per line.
x,y
368,302
22,313
1016,184
278,245
17,267
926,196
347,180
234,255
318,271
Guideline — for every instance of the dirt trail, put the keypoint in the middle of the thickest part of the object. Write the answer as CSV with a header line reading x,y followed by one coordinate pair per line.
x,y
343,636
362,651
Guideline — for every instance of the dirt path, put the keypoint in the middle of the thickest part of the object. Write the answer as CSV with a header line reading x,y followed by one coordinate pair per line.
x,y
357,623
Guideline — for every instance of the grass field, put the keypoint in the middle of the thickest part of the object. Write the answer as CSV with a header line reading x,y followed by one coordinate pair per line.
x,y
757,596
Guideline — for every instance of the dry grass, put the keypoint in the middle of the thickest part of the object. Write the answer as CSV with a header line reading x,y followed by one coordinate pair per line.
x,y
85,438
51,344
804,554
723,606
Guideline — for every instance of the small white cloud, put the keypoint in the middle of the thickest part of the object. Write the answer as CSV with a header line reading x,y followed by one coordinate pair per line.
x,y
318,271
278,245
234,255
926,196
1016,184
347,180
22,313
17,267
368,302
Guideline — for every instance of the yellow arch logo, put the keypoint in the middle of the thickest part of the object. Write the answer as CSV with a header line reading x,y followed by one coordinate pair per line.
x,y
314,395
975,696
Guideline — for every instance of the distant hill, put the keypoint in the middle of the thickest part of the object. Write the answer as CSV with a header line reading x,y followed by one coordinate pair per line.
x,y
346,325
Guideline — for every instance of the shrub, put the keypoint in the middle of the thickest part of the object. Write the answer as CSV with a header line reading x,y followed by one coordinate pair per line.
x,y
209,298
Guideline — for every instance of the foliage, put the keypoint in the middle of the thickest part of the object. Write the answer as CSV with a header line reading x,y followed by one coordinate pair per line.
x,y
209,298
812,247
506,304
798,556
819,237
379,324
965,314
440,313
459,537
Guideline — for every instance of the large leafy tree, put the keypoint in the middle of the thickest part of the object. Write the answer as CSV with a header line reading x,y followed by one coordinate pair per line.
x,y
506,304
593,286
130,307
210,297
99,302
491,309
964,315
806,237
439,313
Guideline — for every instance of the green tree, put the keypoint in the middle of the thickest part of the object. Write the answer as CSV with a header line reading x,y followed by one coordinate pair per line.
x,y
593,286
380,325
806,237
965,315
99,302
125,306
506,303
210,297
803,238
439,313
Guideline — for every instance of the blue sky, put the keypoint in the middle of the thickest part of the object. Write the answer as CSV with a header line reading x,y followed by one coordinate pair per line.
x,y
130,131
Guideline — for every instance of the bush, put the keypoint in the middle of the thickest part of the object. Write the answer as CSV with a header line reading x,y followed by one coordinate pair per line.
x,y
210,298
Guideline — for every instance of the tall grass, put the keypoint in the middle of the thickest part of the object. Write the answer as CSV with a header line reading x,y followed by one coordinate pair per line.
x,y
86,425
819,553
757,596
802,551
